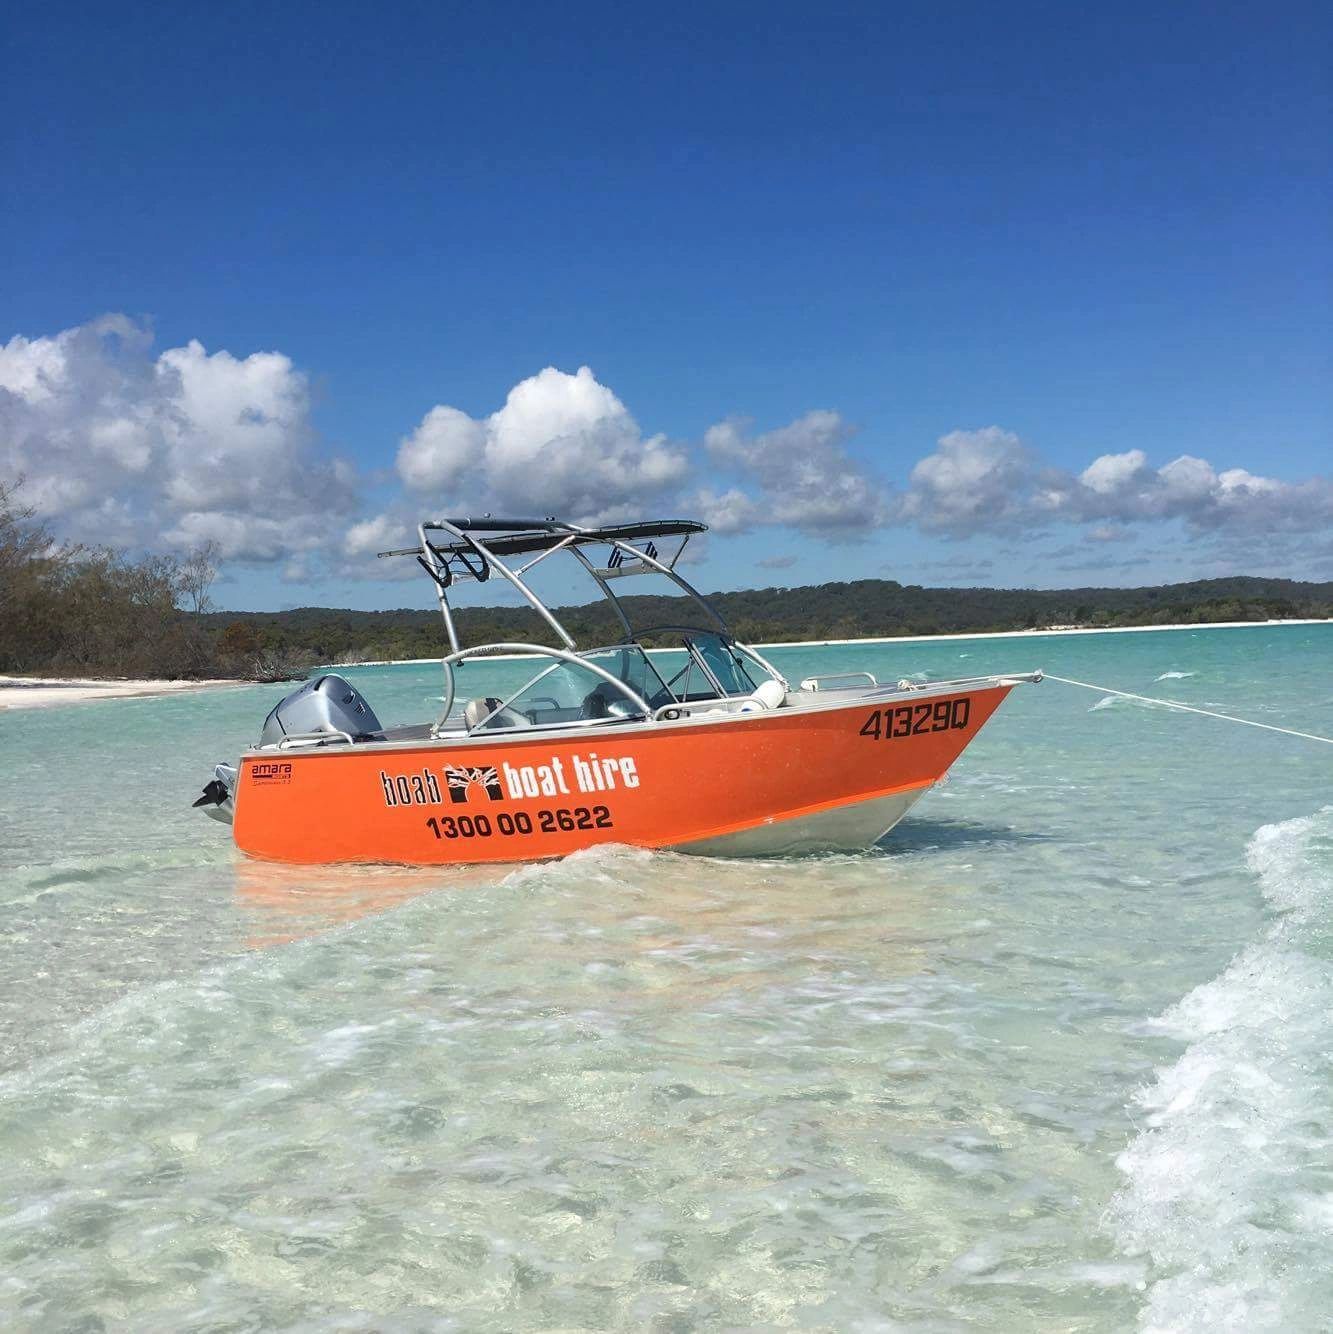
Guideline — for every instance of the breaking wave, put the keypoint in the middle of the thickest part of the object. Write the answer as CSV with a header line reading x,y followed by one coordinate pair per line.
x,y
1229,1189
1174,676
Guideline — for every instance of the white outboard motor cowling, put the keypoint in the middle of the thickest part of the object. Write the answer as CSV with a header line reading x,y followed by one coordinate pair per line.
x,y
326,704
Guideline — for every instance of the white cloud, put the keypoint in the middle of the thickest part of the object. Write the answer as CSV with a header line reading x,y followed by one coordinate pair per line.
x,y
1114,472
1190,489
725,512
363,541
973,482
78,413
561,444
989,481
440,454
124,445
118,445
805,478
381,533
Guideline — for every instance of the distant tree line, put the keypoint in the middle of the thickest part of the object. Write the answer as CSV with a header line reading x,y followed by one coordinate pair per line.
x,y
864,608
93,611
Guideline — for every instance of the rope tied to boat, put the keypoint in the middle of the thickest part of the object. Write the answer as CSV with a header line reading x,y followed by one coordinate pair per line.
x,y
1189,708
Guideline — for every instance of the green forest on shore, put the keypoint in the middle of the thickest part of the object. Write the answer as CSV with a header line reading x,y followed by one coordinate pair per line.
x,y
98,612
864,608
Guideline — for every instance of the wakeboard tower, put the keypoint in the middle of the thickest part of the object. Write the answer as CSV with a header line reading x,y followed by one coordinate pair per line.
x,y
674,737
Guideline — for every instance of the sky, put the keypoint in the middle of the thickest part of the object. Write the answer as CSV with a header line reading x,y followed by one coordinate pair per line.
x,y
971,294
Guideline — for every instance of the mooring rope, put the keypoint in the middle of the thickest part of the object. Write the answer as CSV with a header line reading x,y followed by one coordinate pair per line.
x,y
1189,708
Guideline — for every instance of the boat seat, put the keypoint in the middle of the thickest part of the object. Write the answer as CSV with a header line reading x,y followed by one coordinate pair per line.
x,y
770,695
475,710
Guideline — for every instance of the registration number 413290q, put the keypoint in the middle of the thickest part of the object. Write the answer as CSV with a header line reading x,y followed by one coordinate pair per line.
x,y
905,720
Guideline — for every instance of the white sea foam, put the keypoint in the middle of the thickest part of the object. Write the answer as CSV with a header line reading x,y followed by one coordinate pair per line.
x,y
1174,676
1227,1186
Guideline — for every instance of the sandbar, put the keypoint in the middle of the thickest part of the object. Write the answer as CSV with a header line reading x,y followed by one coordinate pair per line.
x,y
39,692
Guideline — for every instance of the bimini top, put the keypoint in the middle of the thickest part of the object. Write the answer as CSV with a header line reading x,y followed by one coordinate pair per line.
x,y
518,537
477,548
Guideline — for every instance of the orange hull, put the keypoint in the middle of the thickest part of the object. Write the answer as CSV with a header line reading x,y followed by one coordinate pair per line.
x,y
703,784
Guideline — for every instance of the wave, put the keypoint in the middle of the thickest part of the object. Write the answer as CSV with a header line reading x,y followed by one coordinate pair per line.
x,y
1174,676
1227,1188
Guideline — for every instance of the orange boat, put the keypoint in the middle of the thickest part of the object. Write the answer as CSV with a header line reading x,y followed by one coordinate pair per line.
x,y
675,737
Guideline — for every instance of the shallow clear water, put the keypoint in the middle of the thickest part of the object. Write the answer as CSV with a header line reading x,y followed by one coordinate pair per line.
x,y
1056,1056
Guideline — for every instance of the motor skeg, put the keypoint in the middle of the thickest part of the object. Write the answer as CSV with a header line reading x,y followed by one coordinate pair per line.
x,y
327,704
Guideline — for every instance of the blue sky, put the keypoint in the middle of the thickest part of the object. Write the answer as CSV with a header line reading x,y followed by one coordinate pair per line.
x,y
249,250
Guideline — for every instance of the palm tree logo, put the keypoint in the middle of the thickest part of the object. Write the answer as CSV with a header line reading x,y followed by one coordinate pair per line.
x,y
460,780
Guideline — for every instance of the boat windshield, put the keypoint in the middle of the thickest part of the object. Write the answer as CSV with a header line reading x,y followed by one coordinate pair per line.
x,y
568,692
707,667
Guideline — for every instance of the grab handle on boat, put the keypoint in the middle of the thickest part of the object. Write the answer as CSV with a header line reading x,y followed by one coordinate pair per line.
x,y
315,738
838,681
698,708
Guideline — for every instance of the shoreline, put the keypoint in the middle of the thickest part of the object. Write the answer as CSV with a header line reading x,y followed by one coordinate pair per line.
x,y
36,692
1045,632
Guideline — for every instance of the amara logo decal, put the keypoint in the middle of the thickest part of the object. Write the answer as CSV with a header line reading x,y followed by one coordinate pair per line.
x,y
461,779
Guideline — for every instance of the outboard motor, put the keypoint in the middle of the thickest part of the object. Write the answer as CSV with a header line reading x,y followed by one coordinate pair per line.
x,y
326,704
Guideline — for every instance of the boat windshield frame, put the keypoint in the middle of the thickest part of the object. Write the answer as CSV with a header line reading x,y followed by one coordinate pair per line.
x,y
639,703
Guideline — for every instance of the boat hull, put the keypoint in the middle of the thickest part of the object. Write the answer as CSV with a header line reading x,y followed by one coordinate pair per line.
x,y
786,780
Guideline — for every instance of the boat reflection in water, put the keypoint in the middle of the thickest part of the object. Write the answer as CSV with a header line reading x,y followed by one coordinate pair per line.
x,y
676,926
282,904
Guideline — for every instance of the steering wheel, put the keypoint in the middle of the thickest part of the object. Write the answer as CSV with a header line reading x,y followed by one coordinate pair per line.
x,y
595,704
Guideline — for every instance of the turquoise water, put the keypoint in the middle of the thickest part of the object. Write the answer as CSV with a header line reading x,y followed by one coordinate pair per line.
x,y
1056,1056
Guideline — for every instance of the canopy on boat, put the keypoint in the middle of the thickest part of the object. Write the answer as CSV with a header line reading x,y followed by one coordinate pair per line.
x,y
519,537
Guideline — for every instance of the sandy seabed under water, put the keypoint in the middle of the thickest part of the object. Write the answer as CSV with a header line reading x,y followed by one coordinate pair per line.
x,y
1056,1056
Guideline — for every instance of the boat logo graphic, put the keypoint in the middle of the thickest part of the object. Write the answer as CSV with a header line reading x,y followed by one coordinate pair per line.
x,y
461,782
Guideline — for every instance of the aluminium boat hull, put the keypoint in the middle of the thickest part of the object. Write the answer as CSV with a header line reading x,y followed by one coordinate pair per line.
x,y
834,775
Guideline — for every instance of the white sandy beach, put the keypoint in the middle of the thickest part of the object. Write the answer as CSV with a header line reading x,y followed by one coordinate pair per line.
x,y
35,692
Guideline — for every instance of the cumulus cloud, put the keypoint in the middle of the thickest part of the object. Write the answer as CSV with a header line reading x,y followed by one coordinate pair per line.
x,y
118,444
561,444
383,532
974,481
804,475
1112,473
776,562
122,444
358,555
989,481
1122,487
730,511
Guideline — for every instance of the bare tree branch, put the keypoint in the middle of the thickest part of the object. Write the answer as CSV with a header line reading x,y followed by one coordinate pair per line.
x,y
196,575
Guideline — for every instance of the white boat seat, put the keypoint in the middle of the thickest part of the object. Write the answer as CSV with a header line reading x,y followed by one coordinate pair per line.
x,y
770,695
